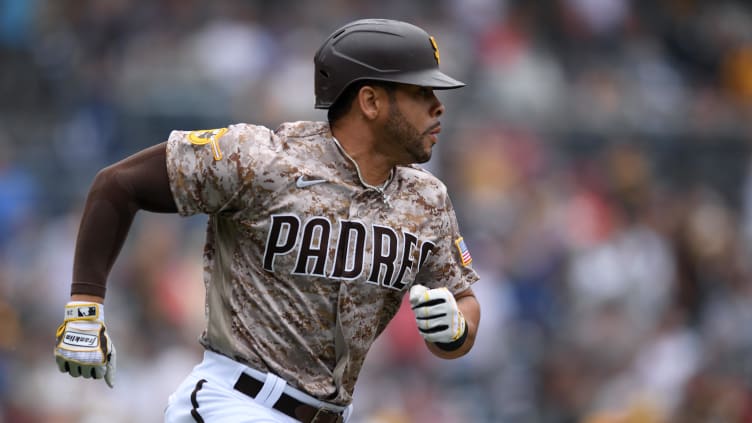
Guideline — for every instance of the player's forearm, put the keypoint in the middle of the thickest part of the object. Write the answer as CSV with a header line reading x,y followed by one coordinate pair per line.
x,y
470,309
118,192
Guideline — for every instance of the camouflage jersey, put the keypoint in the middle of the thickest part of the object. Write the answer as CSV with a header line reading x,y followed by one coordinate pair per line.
x,y
304,264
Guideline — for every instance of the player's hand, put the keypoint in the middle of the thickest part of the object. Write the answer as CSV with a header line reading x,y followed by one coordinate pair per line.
x,y
437,315
83,347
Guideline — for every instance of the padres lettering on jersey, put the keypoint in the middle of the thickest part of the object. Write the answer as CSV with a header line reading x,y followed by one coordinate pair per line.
x,y
314,240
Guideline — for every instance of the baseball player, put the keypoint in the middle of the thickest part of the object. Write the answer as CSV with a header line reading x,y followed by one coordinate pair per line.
x,y
316,231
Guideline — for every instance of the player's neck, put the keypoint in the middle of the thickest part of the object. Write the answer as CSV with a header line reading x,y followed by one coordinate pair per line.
x,y
375,167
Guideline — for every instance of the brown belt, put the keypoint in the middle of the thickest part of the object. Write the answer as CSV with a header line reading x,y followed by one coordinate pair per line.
x,y
289,405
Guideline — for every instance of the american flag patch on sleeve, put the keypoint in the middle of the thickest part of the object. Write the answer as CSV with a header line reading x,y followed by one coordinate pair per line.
x,y
465,256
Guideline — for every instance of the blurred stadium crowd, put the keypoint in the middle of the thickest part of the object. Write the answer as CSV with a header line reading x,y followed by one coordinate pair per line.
x,y
598,160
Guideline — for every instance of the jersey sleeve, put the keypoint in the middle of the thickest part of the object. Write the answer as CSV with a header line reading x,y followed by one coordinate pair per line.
x,y
208,169
449,264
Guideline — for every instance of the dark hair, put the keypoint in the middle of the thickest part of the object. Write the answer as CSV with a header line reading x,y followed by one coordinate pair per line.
x,y
342,105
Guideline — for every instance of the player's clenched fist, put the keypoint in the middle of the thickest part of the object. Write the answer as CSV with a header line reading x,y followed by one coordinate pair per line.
x,y
437,315
83,347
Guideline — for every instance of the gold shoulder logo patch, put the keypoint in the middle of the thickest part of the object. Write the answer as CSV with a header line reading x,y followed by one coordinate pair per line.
x,y
435,50
208,136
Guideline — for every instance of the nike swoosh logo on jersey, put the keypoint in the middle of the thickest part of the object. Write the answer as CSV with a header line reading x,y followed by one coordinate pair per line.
x,y
305,183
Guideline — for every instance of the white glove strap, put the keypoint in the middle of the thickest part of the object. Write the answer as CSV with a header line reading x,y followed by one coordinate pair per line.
x,y
83,310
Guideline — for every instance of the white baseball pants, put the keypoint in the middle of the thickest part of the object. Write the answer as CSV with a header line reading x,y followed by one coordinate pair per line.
x,y
207,396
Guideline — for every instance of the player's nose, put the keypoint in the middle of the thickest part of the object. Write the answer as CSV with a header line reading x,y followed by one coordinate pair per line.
x,y
437,108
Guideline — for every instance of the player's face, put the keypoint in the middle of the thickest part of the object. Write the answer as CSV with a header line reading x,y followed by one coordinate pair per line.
x,y
413,122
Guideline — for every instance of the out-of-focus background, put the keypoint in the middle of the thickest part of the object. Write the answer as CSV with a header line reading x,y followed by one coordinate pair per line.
x,y
599,161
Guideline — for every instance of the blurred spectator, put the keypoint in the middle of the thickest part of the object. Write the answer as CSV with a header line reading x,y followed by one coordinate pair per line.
x,y
19,195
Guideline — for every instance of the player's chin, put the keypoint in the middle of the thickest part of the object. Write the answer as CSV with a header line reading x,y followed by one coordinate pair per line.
x,y
423,156
428,149
420,150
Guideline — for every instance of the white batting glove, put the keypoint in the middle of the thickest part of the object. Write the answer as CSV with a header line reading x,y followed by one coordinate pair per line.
x,y
83,347
437,315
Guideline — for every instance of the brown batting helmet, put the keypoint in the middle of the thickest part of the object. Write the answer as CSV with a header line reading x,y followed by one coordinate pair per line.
x,y
377,49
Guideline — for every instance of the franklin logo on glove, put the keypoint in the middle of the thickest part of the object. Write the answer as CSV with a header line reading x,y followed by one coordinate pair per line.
x,y
79,339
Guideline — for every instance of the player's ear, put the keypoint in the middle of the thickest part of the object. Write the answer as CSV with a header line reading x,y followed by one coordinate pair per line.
x,y
369,101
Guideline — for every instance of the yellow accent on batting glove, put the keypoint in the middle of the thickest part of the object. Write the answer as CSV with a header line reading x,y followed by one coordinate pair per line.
x,y
83,347
437,315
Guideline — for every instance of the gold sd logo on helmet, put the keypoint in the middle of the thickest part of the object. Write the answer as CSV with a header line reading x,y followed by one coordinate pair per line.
x,y
435,50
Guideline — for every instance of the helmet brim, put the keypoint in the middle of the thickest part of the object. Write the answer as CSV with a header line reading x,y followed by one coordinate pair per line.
x,y
432,78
